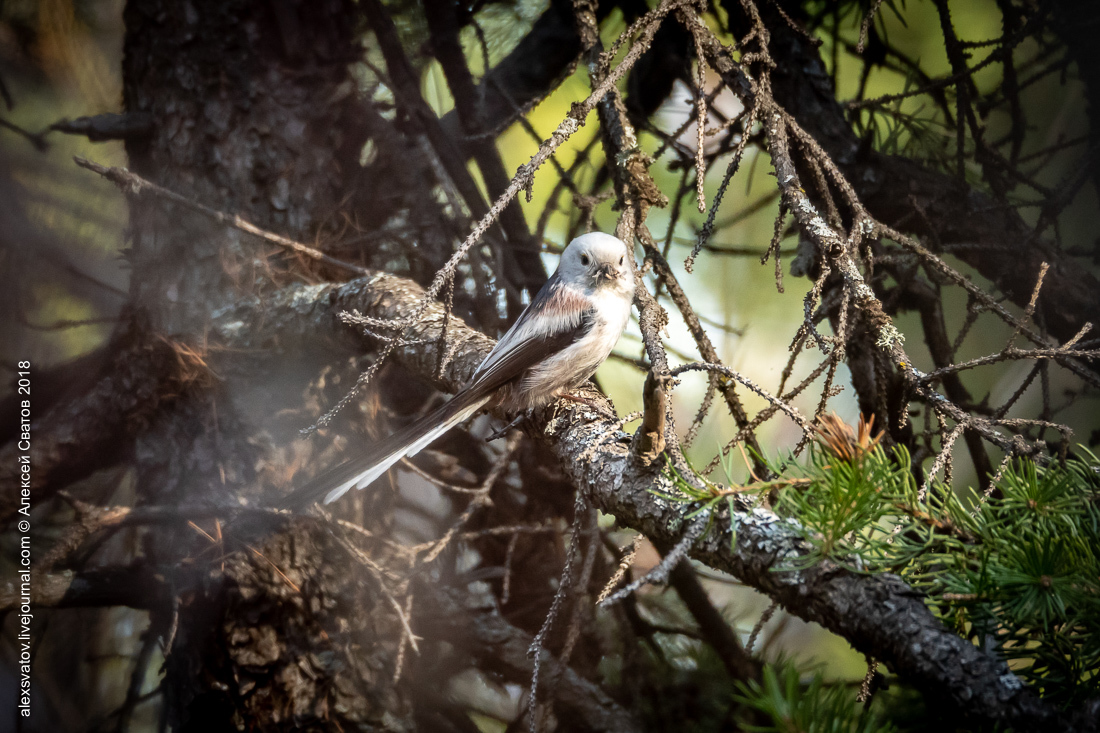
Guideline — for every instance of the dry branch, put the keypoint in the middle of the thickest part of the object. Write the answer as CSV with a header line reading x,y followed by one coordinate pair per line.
x,y
85,432
880,615
899,192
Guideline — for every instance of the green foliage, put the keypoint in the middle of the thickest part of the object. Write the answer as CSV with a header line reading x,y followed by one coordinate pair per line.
x,y
699,500
1019,572
1030,582
814,708
842,505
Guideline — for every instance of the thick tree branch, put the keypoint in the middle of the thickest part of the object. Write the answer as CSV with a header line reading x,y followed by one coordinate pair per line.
x,y
712,625
1076,22
528,73
94,429
136,586
879,614
106,126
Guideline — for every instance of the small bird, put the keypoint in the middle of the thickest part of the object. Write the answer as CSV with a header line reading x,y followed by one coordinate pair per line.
x,y
554,346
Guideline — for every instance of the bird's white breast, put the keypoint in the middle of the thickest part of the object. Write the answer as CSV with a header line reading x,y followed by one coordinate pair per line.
x,y
577,362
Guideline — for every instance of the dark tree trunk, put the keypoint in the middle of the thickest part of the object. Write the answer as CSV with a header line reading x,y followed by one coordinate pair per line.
x,y
253,111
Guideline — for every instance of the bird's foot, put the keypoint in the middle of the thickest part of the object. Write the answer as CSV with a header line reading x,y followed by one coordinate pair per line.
x,y
497,434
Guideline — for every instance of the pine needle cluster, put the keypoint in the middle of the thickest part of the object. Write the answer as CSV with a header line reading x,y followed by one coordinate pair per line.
x,y
1015,569
781,698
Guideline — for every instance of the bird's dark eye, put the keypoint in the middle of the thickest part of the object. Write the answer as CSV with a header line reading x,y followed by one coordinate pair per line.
x,y
584,260
621,260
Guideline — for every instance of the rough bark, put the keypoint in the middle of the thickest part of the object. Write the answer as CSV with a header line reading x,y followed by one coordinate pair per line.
x,y
253,111
878,614
95,427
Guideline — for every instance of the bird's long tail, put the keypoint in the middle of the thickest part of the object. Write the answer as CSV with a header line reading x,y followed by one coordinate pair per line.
x,y
380,456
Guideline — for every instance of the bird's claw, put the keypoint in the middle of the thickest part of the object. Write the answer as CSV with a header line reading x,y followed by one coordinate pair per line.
x,y
497,434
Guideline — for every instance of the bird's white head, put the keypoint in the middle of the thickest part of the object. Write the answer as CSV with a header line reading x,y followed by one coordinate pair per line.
x,y
597,261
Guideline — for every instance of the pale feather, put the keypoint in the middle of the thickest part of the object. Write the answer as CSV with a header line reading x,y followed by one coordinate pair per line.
x,y
384,463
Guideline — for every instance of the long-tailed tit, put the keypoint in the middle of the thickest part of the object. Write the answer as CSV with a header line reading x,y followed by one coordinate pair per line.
x,y
556,344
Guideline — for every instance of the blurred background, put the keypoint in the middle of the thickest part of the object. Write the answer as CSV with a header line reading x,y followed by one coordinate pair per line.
x,y
63,278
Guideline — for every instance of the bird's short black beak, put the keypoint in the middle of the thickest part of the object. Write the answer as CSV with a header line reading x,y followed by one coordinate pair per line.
x,y
606,272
